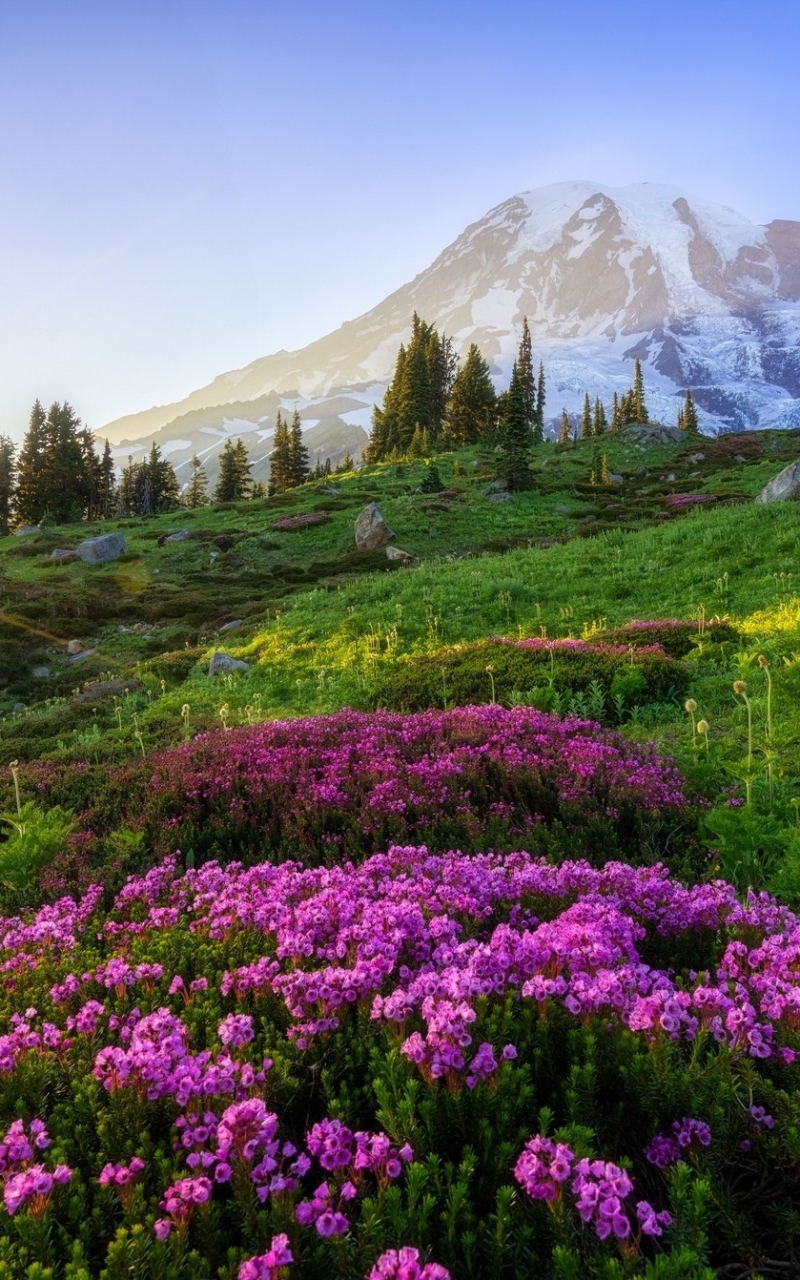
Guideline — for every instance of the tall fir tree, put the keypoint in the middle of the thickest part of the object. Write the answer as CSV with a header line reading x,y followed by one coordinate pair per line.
x,y
197,491
68,469
299,465
689,421
416,396
541,395
8,471
280,458
515,439
472,401
233,481
564,428
638,403
107,497
31,469
587,420
527,378
616,416
599,421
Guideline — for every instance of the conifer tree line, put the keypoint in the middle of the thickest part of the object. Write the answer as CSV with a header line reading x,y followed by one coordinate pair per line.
x,y
57,475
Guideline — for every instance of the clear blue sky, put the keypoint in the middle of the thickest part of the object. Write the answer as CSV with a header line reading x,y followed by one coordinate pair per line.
x,y
185,186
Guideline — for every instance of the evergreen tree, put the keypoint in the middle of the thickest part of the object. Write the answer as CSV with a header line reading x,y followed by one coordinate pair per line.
x,y
431,481
156,483
515,439
587,423
126,492
527,380
299,466
616,416
563,430
346,463
599,422
107,492
472,401
690,422
417,394
639,406
234,473
538,429
280,458
31,469
7,477
197,492
67,479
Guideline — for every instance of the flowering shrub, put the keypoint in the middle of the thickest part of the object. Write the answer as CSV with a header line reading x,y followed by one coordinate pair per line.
x,y
274,1060
675,637
345,785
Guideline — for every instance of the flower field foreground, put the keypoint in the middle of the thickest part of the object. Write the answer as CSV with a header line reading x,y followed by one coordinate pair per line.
x,y
485,1065
347,785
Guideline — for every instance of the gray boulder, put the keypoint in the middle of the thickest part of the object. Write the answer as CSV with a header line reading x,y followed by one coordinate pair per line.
x,y
615,479
108,546
40,673
371,530
63,555
496,486
24,529
502,496
221,663
397,556
786,484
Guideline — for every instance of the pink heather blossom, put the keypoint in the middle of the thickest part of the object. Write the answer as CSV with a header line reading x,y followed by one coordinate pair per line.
x,y
404,1264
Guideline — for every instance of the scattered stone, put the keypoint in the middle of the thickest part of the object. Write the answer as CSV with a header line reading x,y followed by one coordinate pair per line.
x,y
561,510
75,646
23,530
19,706
230,626
505,496
108,546
63,555
41,673
654,433
615,479
329,489
782,486
397,556
739,457
371,529
698,457
497,486
221,663
180,536
307,521
85,653
671,478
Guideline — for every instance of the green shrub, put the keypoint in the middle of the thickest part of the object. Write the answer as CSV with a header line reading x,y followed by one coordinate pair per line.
x,y
535,672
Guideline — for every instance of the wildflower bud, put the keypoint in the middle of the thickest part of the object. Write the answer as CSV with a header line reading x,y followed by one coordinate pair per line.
x,y
690,705
762,662
702,726
740,687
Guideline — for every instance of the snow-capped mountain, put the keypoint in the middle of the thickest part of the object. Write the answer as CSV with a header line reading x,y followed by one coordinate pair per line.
x,y
706,299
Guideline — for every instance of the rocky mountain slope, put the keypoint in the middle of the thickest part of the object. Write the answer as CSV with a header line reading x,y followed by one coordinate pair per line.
x,y
704,297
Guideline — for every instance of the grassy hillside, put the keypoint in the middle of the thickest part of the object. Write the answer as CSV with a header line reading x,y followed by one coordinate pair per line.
x,y
436,928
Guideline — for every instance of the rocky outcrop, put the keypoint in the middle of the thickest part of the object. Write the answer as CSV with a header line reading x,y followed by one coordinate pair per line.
x,y
397,556
782,486
220,664
371,530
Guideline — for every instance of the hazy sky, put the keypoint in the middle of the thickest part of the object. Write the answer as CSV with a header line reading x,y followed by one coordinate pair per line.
x,y
187,186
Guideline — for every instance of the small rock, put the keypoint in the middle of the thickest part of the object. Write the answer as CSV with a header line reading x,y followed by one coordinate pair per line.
x,y
41,673
231,626
671,477
329,489
740,458
84,653
75,646
499,497
615,479
692,474
561,510
371,529
23,530
398,556
180,536
698,457
497,486
63,555
221,663
108,546
19,706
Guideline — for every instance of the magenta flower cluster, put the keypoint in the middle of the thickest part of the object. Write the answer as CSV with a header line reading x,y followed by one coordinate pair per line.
x,y
405,1264
688,1135
26,1181
267,1266
600,1190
